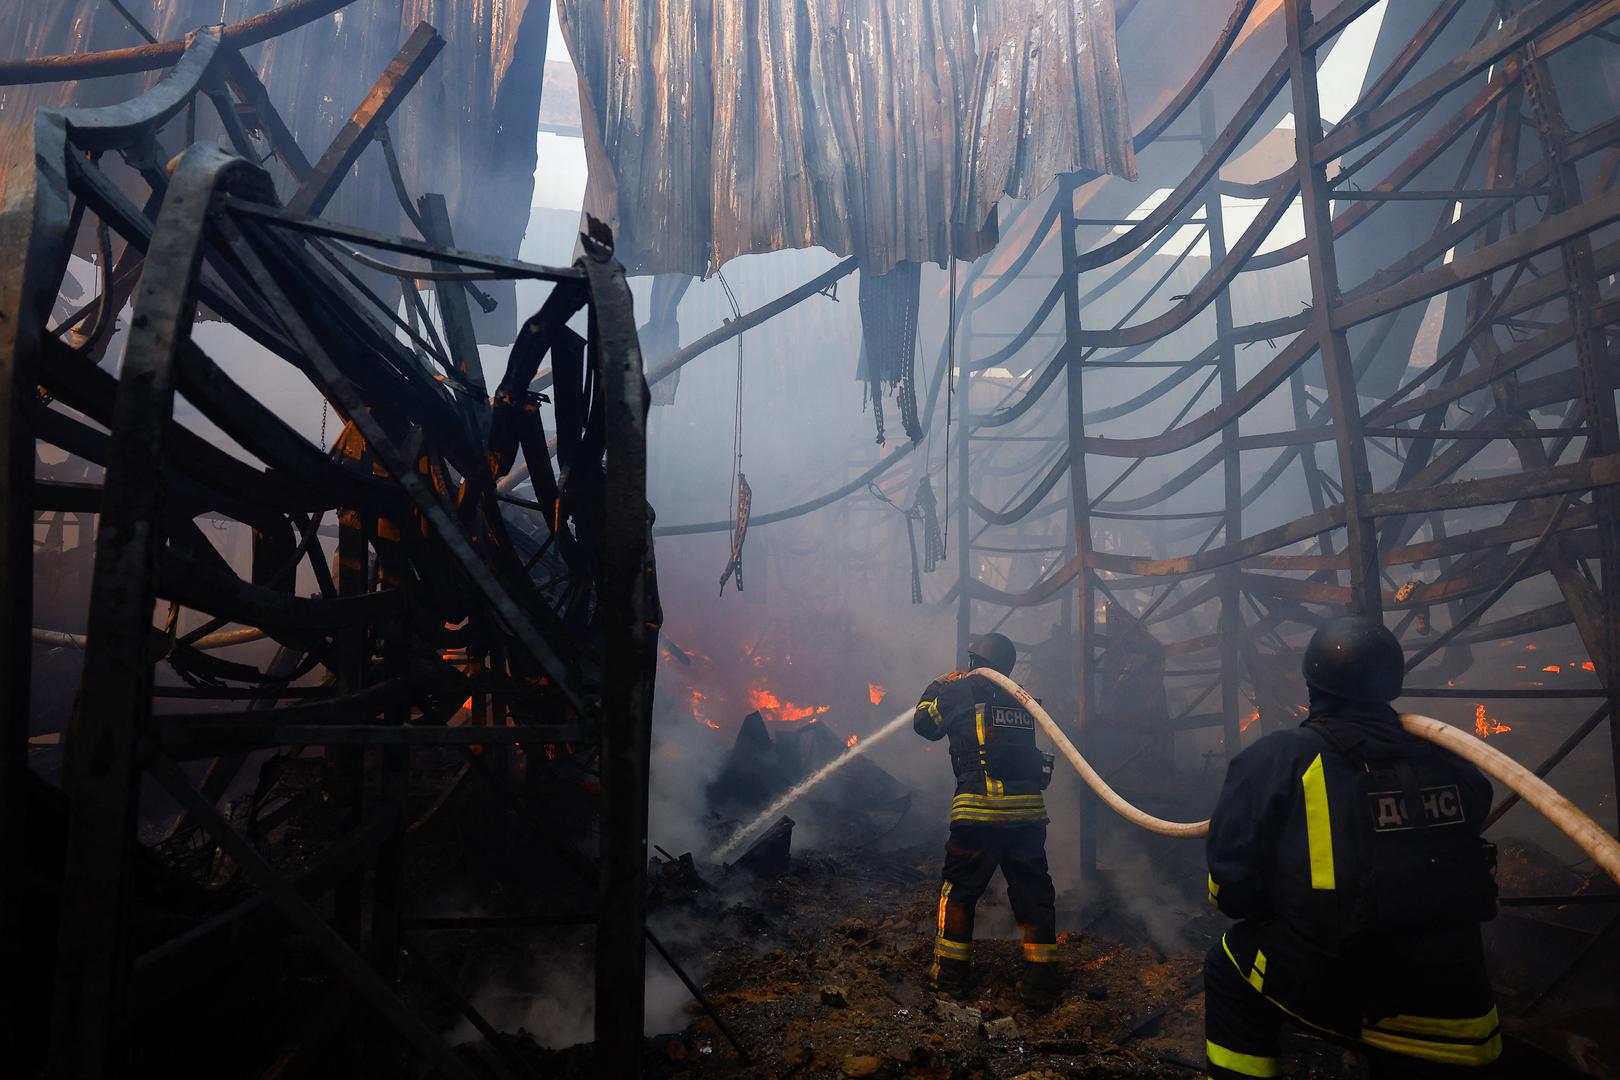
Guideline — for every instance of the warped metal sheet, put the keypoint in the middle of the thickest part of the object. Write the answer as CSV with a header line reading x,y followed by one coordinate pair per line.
x,y
467,132
718,128
1049,99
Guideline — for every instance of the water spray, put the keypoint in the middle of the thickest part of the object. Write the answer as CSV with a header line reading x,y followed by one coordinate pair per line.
x,y
798,790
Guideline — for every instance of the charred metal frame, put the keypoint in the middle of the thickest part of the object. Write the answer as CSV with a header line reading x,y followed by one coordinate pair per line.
x,y
1378,527
1496,216
541,616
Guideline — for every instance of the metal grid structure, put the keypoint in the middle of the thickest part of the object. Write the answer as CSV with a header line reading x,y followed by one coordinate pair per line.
x,y
1519,245
1502,206
456,614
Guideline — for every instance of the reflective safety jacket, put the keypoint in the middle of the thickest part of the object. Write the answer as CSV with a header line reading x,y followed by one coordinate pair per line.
x,y
1352,852
999,771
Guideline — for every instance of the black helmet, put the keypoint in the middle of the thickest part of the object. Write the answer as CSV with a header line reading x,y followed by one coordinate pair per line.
x,y
993,651
1355,658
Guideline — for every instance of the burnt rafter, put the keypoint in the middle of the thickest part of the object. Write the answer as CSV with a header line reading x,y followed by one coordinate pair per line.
x,y
449,617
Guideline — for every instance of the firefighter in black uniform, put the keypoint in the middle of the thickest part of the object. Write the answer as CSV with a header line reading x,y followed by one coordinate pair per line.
x,y
1351,853
998,818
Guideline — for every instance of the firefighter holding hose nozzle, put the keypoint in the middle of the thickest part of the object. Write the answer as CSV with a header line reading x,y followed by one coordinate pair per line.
x,y
1351,853
998,819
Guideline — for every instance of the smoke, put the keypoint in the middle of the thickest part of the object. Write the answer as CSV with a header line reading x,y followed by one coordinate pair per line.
x,y
553,998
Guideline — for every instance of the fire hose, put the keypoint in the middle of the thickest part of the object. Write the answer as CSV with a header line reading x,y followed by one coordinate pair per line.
x,y
1569,819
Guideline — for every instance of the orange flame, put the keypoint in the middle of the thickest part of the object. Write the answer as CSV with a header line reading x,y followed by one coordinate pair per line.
x,y
1484,726
1587,665
1244,725
774,708
852,740
1553,668
875,692
699,701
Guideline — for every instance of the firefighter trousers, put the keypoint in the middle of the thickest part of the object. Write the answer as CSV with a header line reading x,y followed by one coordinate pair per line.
x,y
1242,1028
972,855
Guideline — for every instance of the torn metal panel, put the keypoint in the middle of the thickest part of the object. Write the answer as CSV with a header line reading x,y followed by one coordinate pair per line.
x,y
469,133
1049,100
843,124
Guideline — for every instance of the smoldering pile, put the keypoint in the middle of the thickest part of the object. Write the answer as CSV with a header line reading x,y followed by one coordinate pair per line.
x,y
859,804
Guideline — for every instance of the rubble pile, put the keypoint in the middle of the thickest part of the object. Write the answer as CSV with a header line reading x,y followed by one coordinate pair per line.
x,y
823,972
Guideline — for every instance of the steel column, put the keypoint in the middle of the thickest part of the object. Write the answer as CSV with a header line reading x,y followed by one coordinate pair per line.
x,y
1080,500
1316,199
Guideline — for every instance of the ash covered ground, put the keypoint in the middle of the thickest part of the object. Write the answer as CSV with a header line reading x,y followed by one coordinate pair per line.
x,y
823,972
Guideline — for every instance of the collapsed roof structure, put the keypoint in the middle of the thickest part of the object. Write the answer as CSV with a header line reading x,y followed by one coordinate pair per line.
x,y
1450,346
454,615
1438,324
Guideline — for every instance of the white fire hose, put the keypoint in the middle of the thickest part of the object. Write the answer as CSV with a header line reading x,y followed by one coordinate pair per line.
x,y
1587,834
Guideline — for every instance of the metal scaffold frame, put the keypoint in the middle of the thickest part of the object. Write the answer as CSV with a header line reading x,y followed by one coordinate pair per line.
x,y
455,615
1557,504
1440,125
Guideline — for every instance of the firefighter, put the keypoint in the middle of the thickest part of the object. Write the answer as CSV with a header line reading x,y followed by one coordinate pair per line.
x,y
1350,851
998,819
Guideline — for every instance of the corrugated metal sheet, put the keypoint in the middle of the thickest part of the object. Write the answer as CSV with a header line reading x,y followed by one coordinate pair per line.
x,y
467,131
718,128
1049,99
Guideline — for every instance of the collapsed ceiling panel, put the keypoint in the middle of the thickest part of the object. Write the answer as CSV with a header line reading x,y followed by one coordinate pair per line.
x,y
852,125
468,133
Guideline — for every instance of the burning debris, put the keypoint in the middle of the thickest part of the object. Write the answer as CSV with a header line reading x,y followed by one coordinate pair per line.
x,y
1485,726
843,795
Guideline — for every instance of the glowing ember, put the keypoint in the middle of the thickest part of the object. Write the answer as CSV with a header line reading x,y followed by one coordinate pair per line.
x,y
1244,725
773,708
699,701
875,692
852,740
1484,726
1587,665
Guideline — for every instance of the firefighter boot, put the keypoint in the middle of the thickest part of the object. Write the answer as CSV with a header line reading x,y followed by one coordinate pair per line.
x,y
953,978
1040,987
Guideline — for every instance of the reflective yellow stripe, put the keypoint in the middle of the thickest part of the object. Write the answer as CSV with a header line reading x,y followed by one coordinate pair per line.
x,y
1318,825
1441,1053
1475,1029
998,808
1214,890
944,897
953,950
1484,1045
1037,953
1247,1064
971,799
1228,950
933,710
978,726
979,817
